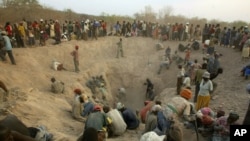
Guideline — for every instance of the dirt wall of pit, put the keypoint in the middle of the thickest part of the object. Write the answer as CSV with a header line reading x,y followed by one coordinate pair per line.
x,y
31,76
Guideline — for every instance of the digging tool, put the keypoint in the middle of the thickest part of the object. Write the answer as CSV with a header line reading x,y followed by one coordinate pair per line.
x,y
196,129
193,111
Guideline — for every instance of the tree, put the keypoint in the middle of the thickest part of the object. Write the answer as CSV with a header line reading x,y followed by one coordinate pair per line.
x,y
69,14
214,21
104,14
149,13
239,24
138,16
19,3
165,12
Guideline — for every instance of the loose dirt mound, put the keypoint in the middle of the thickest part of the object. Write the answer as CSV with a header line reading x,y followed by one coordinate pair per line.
x,y
35,105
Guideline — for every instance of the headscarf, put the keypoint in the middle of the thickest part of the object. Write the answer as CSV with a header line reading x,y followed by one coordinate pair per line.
x,y
206,120
156,108
146,102
186,93
206,75
119,105
220,113
205,111
77,91
234,116
97,108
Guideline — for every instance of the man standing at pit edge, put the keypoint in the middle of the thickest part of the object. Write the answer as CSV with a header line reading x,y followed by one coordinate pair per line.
x,y
119,49
7,48
76,58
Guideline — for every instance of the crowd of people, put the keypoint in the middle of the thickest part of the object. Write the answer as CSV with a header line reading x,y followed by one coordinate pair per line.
x,y
27,33
97,86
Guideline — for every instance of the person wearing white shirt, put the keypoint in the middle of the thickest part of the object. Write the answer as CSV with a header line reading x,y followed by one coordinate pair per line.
x,y
186,32
180,76
206,87
144,29
85,31
187,81
57,66
165,63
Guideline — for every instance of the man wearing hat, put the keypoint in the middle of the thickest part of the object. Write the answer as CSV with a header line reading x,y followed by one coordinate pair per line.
x,y
98,120
7,47
178,107
151,119
206,87
77,108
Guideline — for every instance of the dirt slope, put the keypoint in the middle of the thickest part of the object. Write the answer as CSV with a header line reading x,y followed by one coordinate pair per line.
x,y
35,105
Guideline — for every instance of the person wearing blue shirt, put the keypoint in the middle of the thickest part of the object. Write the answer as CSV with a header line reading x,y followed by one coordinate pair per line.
x,y
8,47
128,116
163,124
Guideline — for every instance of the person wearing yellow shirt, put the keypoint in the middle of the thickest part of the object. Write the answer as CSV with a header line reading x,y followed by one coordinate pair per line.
x,y
22,33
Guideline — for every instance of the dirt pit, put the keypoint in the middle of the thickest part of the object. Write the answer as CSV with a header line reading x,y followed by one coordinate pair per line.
x,y
36,105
